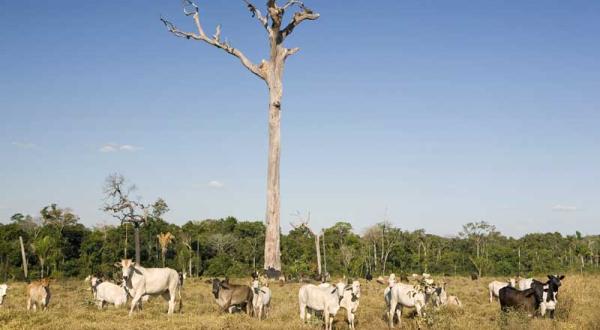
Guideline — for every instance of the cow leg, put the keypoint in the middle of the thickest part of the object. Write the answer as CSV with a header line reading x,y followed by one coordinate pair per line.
x,y
398,315
350,320
393,304
326,317
28,303
303,312
491,297
136,299
543,309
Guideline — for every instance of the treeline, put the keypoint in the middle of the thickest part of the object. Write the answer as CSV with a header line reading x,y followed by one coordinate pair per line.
x,y
57,244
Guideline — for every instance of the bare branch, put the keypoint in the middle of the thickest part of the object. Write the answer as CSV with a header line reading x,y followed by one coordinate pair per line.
x,y
263,20
291,51
215,41
293,2
299,17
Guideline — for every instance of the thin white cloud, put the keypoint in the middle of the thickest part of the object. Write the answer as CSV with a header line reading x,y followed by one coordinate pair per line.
x,y
113,147
564,208
24,145
215,184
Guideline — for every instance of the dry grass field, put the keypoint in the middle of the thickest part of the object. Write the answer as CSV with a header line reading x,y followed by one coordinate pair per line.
x,y
71,307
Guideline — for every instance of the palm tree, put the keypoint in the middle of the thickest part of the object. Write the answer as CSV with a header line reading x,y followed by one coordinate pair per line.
x,y
43,248
164,239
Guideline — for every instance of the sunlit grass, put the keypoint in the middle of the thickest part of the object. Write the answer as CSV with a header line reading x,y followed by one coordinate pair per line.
x,y
71,307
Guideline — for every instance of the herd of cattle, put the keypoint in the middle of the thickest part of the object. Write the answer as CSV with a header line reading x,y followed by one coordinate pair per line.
x,y
326,299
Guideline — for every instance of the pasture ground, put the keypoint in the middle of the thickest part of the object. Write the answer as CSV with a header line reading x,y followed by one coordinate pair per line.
x,y
71,307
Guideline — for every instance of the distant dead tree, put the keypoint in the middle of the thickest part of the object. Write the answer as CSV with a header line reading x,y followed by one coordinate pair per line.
x,y
120,205
303,223
271,72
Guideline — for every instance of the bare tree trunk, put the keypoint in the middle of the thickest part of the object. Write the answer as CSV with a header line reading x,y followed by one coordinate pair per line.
x,y
42,265
324,255
199,257
272,237
271,72
190,266
23,256
125,249
138,259
318,249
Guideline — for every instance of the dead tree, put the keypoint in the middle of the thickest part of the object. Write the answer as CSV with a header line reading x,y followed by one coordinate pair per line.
x,y
120,206
303,223
271,72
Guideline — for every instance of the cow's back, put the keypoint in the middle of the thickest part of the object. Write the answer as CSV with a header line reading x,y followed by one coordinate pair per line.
x,y
158,280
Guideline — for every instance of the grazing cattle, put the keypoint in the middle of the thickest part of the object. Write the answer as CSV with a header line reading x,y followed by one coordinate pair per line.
x,y
441,297
261,301
106,292
38,294
528,300
350,301
325,299
229,295
404,295
369,277
495,286
3,289
140,282
550,296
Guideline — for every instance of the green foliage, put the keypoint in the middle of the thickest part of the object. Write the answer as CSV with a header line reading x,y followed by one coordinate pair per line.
x,y
219,247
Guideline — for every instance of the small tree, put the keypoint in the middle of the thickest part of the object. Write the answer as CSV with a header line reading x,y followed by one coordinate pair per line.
x,y
479,233
164,239
43,248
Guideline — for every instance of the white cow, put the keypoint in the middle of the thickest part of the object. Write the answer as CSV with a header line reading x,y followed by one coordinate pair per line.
x,y
140,282
320,299
525,283
405,295
261,300
3,289
495,286
106,292
441,298
350,301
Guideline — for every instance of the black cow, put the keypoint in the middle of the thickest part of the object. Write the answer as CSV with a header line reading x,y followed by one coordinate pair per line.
x,y
550,295
528,300
369,277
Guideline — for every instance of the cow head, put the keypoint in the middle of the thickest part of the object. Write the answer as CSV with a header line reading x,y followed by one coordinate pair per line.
x,y
128,267
256,286
354,288
45,282
217,285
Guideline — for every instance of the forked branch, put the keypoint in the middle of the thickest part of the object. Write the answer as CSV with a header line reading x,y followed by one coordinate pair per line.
x,y
190,9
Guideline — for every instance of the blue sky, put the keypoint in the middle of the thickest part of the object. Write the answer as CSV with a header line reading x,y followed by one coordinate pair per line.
x,y
440,112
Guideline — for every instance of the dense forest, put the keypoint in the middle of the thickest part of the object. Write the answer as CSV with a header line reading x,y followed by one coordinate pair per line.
x,y
58,245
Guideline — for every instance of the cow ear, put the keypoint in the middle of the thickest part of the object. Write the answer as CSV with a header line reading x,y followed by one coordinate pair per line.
x,y
133,264
562,277
549,277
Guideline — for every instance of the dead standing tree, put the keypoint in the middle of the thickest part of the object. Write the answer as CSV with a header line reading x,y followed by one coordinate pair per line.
x,y
303,223
270,71
120,206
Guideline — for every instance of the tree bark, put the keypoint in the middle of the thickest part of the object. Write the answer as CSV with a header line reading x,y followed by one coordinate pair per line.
x,y
318,250
23,256
138,258
272,238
